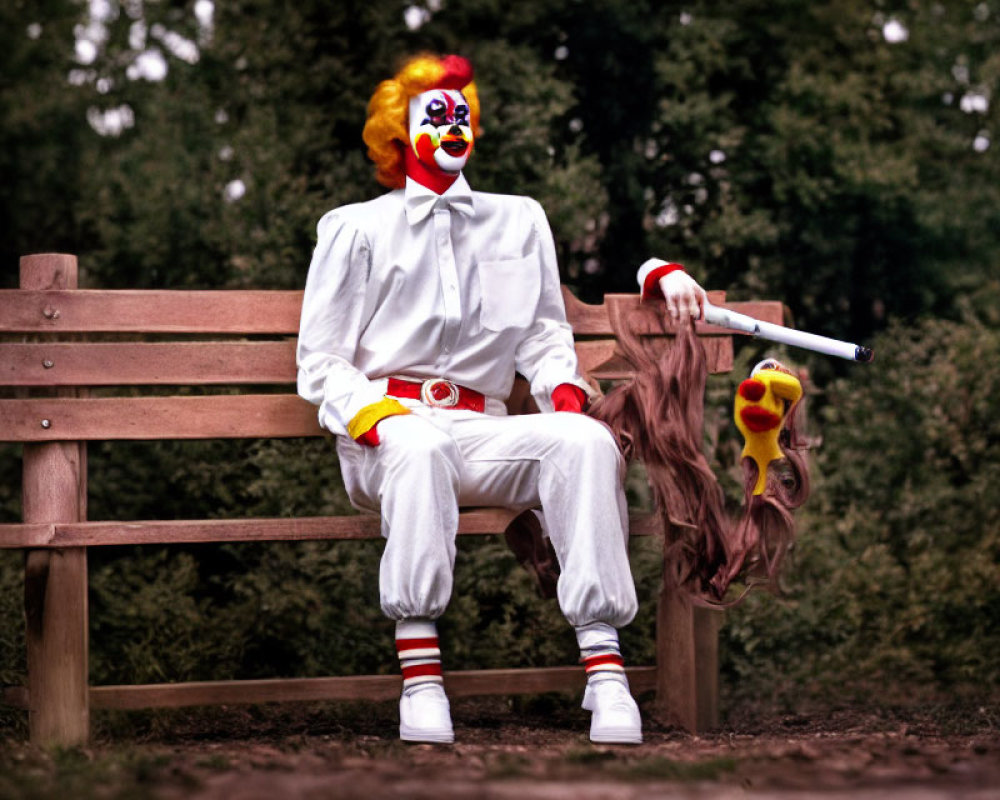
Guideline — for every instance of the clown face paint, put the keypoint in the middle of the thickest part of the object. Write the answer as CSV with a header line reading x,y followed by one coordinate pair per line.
x,y
440,131
762,402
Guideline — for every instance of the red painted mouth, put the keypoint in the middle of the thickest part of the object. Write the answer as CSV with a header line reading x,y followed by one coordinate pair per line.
x,y
454,147
759,419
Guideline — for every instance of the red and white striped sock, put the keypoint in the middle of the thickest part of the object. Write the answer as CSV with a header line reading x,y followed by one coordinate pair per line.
x,y
419,653
600,652
597,664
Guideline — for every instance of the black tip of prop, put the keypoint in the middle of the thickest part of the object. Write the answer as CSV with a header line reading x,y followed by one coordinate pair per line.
x,y
862,353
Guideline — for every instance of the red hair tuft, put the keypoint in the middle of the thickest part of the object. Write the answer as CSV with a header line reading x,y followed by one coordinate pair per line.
x,y
457,73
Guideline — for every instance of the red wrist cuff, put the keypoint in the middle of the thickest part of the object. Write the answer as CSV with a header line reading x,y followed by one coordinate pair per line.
x,y
651,286
567,397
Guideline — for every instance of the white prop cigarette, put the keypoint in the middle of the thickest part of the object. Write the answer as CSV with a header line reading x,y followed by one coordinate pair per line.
x,y
725,318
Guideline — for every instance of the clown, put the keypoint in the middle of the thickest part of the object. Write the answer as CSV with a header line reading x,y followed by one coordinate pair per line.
x,y
440,135
419,307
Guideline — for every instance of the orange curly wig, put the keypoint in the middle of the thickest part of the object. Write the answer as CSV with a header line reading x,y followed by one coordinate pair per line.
x,y
386,131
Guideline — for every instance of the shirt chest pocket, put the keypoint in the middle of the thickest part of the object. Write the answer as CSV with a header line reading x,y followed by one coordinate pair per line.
x,y
510,289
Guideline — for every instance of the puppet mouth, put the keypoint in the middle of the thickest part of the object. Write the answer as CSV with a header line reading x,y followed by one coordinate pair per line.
x,y
454,147
759,419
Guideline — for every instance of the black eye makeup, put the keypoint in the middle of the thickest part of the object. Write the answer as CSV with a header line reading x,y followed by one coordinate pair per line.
x,y
442,111
436,109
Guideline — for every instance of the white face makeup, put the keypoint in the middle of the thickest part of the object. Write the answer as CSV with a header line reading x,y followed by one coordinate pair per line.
x,y
440,131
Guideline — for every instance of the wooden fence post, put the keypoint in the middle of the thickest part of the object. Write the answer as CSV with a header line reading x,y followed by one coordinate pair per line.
x,y
55,587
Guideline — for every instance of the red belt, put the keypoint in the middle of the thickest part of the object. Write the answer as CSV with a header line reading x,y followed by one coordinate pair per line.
x,y
438,392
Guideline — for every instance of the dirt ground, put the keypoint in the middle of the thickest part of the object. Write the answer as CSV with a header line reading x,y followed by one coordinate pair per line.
x,y
510,751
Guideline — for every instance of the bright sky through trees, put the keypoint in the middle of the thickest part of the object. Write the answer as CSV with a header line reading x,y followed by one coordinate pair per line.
x,y
151,47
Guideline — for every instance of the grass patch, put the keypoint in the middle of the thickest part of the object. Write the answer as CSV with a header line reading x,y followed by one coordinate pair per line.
x,y
588,756
614,764
216,762
30,773
508,765
658,768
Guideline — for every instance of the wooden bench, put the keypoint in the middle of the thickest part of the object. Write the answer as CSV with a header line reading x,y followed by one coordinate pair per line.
x,y
49,367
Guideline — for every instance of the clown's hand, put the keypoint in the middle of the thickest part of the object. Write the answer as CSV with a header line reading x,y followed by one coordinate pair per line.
x,y
683,295
362,427
567,397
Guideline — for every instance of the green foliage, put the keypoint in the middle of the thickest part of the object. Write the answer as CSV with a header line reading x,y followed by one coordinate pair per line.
x,y
42,133
791,156
247,610
12,655
517,154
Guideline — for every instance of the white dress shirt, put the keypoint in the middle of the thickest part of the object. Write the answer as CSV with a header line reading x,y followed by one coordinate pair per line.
x,y
462,286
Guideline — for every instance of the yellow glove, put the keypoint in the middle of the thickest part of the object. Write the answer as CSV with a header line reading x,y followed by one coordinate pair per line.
x,y
361,428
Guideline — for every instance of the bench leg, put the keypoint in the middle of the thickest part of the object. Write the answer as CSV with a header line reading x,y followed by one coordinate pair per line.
x,y
707,622
687,664
55,598
55,586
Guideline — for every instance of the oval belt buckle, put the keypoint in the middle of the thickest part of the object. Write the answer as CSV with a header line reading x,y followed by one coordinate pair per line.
x,y
430,393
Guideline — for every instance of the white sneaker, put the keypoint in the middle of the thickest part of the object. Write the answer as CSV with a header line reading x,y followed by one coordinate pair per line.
x,y
425,715
615,716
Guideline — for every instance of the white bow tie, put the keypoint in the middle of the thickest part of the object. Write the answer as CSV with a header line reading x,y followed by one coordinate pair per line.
x,y
420,201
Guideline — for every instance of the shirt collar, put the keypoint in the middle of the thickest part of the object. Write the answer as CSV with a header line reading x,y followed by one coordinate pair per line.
x,y
421,201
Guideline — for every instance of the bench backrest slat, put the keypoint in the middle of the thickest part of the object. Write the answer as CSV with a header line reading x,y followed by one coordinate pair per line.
x,y
233,312
90,364
149,311
242,416
599,359
146,363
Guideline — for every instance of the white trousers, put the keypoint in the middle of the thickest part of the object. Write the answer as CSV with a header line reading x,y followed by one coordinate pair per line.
x,y
433,460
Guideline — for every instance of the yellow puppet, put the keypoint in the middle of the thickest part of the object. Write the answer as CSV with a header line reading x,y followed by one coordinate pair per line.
x,y
763,401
